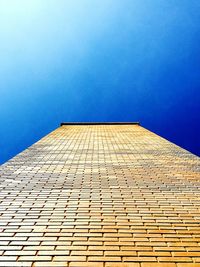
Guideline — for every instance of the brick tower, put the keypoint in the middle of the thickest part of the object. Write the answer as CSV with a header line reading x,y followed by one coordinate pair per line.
x,y
100,195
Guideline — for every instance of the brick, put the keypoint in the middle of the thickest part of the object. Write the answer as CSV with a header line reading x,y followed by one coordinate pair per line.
x,y
50,264
175,259
139,259
136,248
122,264
107,248
53,252
86,253
154,253
20,253
40,248
71,248
15,264
34,258
69,258
188,264
85,264
104,259
186,254
8,258
158,264
120,253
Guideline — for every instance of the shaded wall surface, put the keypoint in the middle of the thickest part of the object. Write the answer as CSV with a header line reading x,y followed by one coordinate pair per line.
x,y
100,195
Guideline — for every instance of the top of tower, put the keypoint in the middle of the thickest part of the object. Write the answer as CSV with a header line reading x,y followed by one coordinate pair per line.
x,y
99,123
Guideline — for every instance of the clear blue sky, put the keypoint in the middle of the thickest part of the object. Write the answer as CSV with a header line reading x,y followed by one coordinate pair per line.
x,y
99,60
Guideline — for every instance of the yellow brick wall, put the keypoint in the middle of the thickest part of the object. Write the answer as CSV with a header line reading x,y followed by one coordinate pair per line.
x,y
102,196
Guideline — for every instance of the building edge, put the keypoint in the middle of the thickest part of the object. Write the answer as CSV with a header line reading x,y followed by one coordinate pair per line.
x,y
99,123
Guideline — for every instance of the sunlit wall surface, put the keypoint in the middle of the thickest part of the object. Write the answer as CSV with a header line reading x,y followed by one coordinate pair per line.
x,y
91,60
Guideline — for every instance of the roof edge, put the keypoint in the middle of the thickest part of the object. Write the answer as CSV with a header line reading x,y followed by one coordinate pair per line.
x,y
99,123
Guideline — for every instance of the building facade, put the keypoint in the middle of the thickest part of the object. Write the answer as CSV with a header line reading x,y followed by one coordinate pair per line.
x,y
102,195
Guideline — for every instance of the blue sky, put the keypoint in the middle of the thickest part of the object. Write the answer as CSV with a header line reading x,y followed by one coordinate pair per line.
x,y
99,60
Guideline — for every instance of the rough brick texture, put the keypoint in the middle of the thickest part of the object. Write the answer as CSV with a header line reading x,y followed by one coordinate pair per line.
x,y
100,195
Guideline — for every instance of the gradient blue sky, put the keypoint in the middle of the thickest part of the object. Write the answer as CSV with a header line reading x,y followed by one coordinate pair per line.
x,y
99,60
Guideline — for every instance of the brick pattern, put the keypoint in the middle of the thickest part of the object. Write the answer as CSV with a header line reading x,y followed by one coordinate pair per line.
x,y
102,196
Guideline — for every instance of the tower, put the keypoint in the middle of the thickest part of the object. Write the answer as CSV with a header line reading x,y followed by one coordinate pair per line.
x,y
103,195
